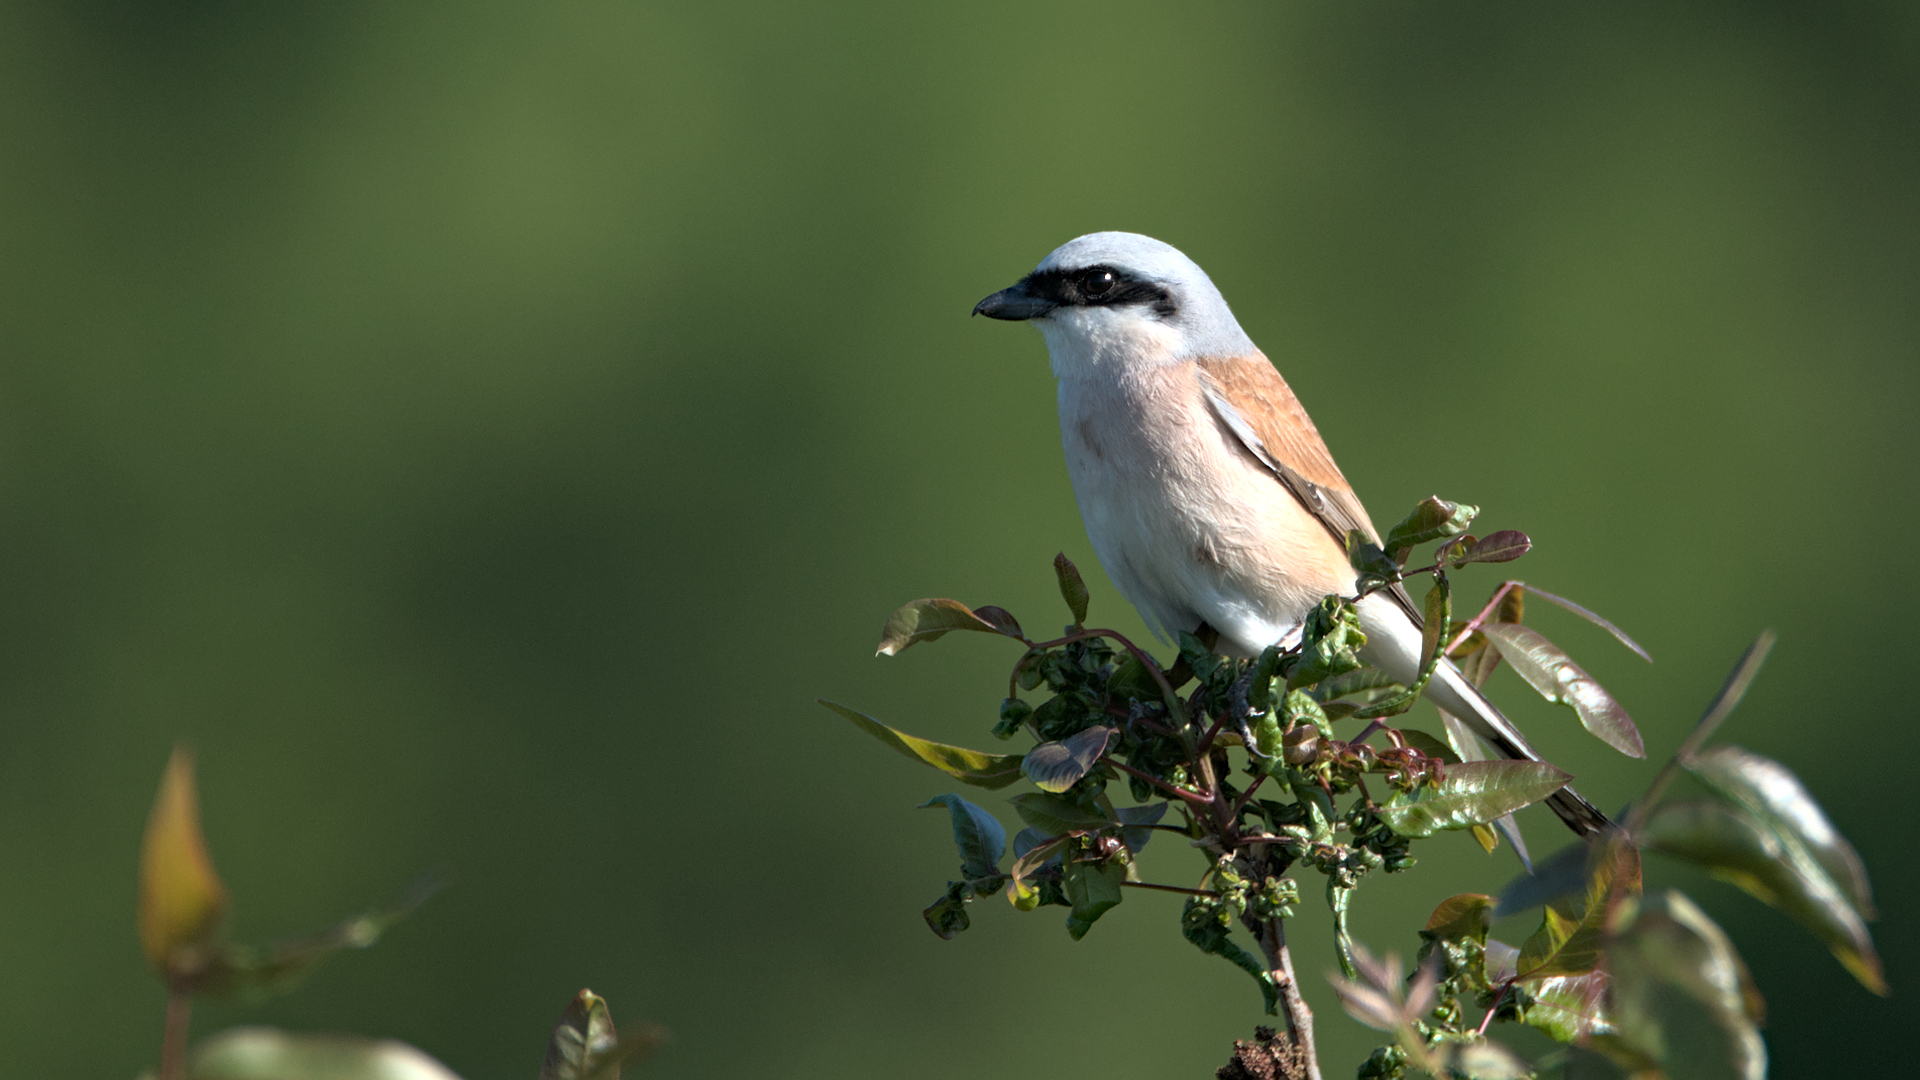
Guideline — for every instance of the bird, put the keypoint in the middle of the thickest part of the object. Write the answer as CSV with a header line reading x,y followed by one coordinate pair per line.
x,y
1206,491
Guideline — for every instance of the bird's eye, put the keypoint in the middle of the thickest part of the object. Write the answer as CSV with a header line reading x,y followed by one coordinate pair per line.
x,y
1097,282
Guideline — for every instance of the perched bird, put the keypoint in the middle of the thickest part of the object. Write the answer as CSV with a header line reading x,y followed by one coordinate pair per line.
x,y
1207,492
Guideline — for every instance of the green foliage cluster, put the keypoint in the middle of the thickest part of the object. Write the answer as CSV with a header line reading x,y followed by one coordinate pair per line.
x,y
182,906
1240,758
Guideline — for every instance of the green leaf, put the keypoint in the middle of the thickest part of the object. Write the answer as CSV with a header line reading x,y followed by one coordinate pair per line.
x,y
1592,617
1778,800
1366,680
1020,891
1205,925
1473,793
1055,816
1373,566
1733,847
977,834
968,766
1569,1008
1460,918
1434,519
1813,874
258,1053
1488,1061
1561,681
1057,766
1137,818
1503,546
585,1046
1564,873
928,619
1330,639
1429,745
1682,996
182,900
948,916
239,971
1093,889
1131,681
1573,928
1072,589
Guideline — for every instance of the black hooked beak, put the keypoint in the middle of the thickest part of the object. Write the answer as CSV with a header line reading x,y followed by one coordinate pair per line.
x,y
1014,304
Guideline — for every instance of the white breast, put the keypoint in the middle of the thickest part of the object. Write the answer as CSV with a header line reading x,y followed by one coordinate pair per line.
x,y
1187,524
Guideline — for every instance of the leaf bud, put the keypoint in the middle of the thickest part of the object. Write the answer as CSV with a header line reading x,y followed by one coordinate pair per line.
x,y
1301,745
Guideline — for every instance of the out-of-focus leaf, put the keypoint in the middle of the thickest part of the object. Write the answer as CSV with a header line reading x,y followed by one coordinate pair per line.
x,y
968,766
1561,681
928,619
1378,998
1774,842
1777,799
1053,815
182,900
585,1031
1681,994
1488,1061
1057,766
1093,889
585,1046
1473,793
1502,961
977,834
1137,818
1569,1008
1460,918
258,1053
1592,617
1072,589
1434,519
1563,874
1020,890
1503,546
238,971
1573,928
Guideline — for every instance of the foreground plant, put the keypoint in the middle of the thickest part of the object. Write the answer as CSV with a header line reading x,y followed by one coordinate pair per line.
x,y
182,907
1247,768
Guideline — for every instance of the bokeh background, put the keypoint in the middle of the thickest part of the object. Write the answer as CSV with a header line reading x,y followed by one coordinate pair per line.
x,y
481,430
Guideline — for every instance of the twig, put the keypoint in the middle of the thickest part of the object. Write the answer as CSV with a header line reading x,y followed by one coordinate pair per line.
x,y
1169,888
1273,943
1196,797
173,1041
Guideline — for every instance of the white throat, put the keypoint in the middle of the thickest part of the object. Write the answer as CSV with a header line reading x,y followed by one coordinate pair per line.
x,y
1105,343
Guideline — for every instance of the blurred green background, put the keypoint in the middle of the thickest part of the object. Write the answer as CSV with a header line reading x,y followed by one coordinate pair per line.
x,y
481,431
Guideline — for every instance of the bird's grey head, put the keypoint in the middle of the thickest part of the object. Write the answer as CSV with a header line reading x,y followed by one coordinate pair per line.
x,y
1117,297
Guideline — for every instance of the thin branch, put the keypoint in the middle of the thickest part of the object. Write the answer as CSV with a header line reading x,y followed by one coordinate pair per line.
x,y
1195,797
1169,888
1474,623
1730,695
173,1041
1273,943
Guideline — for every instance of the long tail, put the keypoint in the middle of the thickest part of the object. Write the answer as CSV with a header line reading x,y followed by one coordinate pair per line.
x,y
1451,691
1394,646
